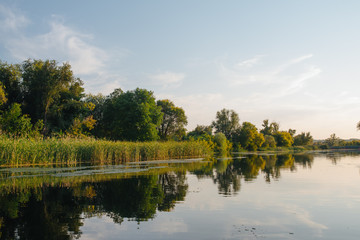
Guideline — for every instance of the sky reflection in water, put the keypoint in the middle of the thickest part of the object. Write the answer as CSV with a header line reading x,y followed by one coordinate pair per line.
x,y
307,196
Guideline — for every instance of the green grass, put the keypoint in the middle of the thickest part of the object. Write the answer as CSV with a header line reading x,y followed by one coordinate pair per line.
x,y
69,151
289,149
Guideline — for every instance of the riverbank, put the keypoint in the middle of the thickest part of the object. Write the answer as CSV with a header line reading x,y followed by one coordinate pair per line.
x,y
68,151
293,149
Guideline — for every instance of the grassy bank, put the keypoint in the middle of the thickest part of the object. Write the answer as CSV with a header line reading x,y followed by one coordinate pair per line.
x,y
290,149
15,152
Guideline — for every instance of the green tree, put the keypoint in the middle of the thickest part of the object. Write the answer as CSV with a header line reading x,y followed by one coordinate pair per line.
x,y
333,140
249,137
174,121
283,139
200,130
358,126
97,112
269,142
3,98
13,122
51,92
131,115
202,133
292,132
269,128
303,139
10,78
222,145
227,121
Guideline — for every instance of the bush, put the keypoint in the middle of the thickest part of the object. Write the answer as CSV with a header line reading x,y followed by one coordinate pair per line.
x,y
269,142
222,145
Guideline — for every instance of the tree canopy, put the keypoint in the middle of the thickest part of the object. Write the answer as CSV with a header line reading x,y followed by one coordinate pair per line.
x,y
250,138
132,115
173,122
227,121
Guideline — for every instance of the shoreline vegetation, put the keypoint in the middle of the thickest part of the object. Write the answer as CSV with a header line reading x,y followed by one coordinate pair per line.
x,y
47,118
70,151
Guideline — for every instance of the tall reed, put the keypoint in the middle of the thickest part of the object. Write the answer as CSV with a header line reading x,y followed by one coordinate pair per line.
x,y
23,151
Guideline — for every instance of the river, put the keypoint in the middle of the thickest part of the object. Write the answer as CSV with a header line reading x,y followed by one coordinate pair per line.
x,y
242,196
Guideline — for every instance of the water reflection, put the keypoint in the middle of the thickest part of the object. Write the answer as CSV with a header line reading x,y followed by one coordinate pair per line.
x,y
55,212
50,208
229,171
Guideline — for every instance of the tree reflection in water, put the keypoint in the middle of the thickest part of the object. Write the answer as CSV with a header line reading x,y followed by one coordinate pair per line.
x,y
56,211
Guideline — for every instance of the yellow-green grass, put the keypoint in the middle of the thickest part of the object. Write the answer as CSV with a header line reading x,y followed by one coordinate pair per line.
x,y
68,151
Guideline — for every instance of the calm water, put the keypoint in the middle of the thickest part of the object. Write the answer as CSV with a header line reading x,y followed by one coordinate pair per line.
x,y
304,196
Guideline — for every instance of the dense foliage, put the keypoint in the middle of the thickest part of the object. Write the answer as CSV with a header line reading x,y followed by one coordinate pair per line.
x,y
44,98
27,151
131,115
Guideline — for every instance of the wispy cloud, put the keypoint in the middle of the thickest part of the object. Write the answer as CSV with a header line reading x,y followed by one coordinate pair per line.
x,y
11,21
302,58
63,43
285,66
168,79
298,82
286,78
250,62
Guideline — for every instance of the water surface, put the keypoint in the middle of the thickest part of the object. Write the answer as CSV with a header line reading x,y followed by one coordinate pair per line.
x,y
267,196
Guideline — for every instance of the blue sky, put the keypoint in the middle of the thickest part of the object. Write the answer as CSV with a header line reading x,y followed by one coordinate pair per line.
x,y
293,62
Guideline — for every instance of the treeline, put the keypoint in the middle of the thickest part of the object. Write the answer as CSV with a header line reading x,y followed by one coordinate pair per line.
x,y
230,134
45,99
334,142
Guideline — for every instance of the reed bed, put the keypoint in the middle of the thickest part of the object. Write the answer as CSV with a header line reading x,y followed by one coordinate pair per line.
x,y
68,151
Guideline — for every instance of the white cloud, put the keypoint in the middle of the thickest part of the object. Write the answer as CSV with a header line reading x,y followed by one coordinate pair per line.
x,y
250,62
64,44
168,79
298,82
11,21
302,58
170,227
276,81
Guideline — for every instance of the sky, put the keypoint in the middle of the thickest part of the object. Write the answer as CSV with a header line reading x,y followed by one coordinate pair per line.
x,y
293,62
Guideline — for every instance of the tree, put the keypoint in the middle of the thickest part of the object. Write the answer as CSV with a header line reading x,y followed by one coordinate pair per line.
x,y
202,133
227,121
10,78
97,112
131,115
250,138
303,139
51,92
292,132
13,122
269,128
3,98
201,130
333,140
283,139
173,122
222,144
269,142
275,126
